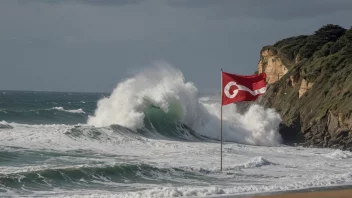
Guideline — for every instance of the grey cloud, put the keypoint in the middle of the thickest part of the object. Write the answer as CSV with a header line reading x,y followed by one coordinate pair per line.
x,y
110,2
77,45
274,9
88,2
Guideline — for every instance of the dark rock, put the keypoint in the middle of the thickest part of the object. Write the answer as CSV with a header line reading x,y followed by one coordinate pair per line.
x,y
342,133
291,134
326,139
333,123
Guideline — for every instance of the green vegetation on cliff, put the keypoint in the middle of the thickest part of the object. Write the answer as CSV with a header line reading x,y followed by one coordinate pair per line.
x,y
320,70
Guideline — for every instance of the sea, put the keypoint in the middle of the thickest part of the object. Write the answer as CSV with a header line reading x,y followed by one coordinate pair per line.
x,y
154,135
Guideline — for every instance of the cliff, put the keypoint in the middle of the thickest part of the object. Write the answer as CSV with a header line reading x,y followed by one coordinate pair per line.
x,y
310,85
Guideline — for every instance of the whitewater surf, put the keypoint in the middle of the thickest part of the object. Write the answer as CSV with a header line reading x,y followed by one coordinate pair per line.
x,y
155,135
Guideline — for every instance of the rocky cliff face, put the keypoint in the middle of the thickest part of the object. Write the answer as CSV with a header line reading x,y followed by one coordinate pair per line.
x,y
272,65
305,86
310,84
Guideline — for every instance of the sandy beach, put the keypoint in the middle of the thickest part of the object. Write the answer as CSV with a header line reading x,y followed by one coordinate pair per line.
x,y
321,194
329,192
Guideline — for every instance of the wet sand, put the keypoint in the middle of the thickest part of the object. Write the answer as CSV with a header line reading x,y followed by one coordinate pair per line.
x,y
320,194
326,192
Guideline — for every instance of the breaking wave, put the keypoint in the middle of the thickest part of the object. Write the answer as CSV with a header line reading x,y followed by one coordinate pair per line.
x,y
92,175
127,173
83,175
80,175
5,125
160,99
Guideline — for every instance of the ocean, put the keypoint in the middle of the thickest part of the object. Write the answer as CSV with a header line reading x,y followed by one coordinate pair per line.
x,y
154,135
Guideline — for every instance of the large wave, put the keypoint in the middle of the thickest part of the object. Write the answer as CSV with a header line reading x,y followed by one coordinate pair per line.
x,y
160,96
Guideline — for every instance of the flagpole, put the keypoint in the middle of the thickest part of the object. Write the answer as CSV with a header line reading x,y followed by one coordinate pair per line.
x,y
221,125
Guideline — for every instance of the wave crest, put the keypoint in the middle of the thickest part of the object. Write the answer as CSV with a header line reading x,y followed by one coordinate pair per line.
x,y
5,125
176,102
80,110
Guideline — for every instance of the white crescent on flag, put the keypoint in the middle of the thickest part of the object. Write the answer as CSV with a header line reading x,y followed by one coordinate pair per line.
x,y
241,87
237,88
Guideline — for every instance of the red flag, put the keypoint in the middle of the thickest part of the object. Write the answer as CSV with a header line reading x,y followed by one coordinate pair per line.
x,y
236,88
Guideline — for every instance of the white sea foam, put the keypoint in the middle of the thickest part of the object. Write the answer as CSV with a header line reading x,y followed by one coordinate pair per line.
x,y
165,87
255,163
339,154
217,190
5,125
246,168
163,192
69,110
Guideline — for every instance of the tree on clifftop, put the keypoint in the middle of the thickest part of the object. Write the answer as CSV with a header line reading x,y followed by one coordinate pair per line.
x,y
330,32
327,33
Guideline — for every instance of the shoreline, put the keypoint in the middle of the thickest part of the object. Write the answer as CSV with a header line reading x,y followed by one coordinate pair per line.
x,y
344,191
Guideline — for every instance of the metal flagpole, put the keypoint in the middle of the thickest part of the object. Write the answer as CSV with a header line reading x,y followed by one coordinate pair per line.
x,y
221,125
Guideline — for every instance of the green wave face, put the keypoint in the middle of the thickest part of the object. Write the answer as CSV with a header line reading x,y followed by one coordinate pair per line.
x,y
168,123
158,118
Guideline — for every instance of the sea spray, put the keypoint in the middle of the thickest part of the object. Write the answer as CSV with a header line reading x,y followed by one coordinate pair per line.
x,y
165,87
160,86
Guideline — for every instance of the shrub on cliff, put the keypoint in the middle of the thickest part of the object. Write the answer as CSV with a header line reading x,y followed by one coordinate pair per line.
x,y
325,60
305,46
330,32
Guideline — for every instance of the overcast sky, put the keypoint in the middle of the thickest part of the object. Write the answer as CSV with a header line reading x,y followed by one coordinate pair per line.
x,y
91,45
